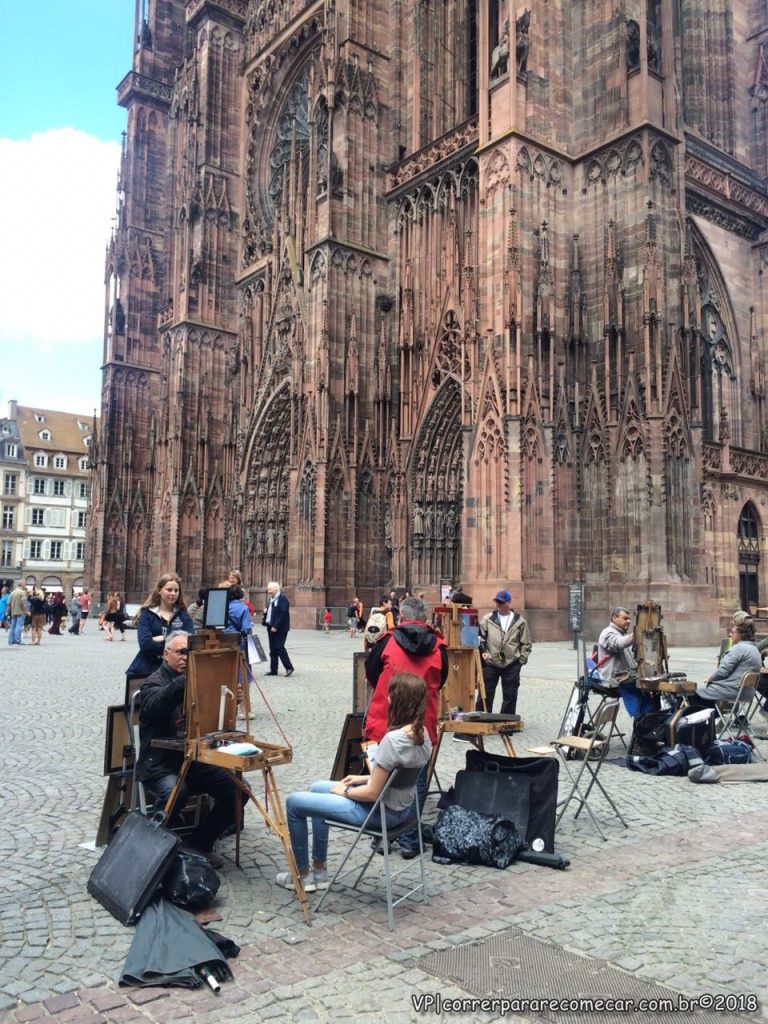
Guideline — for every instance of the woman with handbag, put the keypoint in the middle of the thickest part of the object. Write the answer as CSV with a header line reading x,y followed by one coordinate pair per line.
x,y
404,745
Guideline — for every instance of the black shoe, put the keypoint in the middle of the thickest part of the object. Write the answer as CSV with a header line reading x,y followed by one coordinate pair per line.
x,y
409,852
270,673
289,673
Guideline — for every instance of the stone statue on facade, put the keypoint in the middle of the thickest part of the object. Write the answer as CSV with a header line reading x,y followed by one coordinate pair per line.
x,y
418,520
523,26
271,536
654,53
633,45
500,54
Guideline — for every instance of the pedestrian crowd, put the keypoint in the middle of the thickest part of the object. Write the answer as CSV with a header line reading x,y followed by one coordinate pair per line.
x,y
27,609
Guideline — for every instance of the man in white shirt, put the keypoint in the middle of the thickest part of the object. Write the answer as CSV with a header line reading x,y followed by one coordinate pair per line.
x,y
505,645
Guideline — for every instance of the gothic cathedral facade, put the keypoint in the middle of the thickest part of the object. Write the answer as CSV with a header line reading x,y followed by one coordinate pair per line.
x,y
411,291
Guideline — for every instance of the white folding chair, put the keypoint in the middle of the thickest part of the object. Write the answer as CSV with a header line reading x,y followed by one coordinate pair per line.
x,y
375,827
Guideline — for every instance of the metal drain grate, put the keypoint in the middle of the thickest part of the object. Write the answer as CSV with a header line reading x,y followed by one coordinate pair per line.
x,y
513,965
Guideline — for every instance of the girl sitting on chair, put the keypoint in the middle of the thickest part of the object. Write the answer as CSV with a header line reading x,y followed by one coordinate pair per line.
x,y
405,745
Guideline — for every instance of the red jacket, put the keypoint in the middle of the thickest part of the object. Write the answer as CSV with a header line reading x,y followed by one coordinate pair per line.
x,y
411,647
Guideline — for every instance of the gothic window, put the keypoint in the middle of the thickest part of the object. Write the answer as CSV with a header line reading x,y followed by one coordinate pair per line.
x,y
749,556
435,469
717,369
337,545
292,130
633,442
448,358
305,507
321,137
369,547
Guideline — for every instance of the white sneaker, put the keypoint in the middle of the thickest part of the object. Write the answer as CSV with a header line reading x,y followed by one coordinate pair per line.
x,y
311,883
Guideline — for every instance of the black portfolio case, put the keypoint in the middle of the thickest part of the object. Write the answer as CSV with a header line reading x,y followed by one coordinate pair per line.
x,y
132,866
492,791
536,778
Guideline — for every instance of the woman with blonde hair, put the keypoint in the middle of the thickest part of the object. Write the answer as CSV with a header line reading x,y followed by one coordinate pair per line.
x,y
163,612
37,610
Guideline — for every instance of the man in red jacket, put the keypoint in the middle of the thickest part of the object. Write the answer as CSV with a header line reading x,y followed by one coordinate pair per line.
x,y
412,646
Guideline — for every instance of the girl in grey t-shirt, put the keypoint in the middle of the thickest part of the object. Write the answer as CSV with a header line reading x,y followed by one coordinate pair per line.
x,y
405,745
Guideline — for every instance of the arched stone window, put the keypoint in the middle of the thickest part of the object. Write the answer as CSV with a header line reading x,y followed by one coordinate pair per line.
x,y
749,556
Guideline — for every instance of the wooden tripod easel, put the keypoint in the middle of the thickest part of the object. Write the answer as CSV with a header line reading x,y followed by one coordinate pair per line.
x,y
214,666
465,682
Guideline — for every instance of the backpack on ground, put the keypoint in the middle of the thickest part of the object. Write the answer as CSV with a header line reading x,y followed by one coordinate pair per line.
x,y
375,627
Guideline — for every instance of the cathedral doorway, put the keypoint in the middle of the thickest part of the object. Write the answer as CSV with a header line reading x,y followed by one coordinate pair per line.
x,y
436,491
749,557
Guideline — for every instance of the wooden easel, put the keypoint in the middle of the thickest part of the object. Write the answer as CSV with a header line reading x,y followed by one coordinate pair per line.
x,y
215,662
650,643
465,681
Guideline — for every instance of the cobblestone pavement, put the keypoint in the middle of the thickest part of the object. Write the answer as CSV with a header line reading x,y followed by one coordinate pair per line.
x,y
678,897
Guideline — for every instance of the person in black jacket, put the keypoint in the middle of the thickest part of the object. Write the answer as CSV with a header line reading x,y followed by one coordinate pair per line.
x,y
277,619
162,716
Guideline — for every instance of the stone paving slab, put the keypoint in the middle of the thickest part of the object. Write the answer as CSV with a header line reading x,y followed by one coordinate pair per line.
x,y
680,892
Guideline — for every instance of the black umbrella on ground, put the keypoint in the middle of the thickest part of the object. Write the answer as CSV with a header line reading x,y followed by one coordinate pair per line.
x,y
170,948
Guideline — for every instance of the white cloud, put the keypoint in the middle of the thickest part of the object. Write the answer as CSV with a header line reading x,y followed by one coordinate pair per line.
x,y
57,200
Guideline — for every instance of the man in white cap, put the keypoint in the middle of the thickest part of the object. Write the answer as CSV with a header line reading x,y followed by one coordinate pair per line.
x,y
505,645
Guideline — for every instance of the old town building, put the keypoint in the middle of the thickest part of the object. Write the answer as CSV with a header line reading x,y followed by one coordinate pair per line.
x,y
406,291
45,463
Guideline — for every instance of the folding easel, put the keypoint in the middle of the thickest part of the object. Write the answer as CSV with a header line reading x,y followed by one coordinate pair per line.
x,y
465,681
214,665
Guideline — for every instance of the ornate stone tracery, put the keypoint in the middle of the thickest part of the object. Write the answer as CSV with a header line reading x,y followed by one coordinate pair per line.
x,y
436,490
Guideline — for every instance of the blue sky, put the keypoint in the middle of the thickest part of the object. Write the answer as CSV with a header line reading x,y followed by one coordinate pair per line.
x,y
60,128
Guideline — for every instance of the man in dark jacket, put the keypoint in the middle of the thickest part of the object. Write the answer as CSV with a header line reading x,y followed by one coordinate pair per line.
x,y
162,716
412,646
277,619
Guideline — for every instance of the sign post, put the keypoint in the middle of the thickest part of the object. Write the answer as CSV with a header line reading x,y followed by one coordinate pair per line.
x,y
576,615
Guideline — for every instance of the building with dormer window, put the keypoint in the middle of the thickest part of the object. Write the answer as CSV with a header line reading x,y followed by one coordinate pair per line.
x,y
43,529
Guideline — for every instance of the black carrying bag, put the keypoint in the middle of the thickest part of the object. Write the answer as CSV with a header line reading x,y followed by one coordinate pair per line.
x,y
470,837
133,866
492,791
730,752
650,732
190,881
537,775
700,735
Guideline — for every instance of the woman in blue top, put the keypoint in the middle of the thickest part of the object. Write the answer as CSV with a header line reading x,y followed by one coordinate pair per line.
x,y
239,618
163,612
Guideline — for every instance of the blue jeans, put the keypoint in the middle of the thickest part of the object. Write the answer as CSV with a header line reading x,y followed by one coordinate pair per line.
x,y
16,628
321,803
